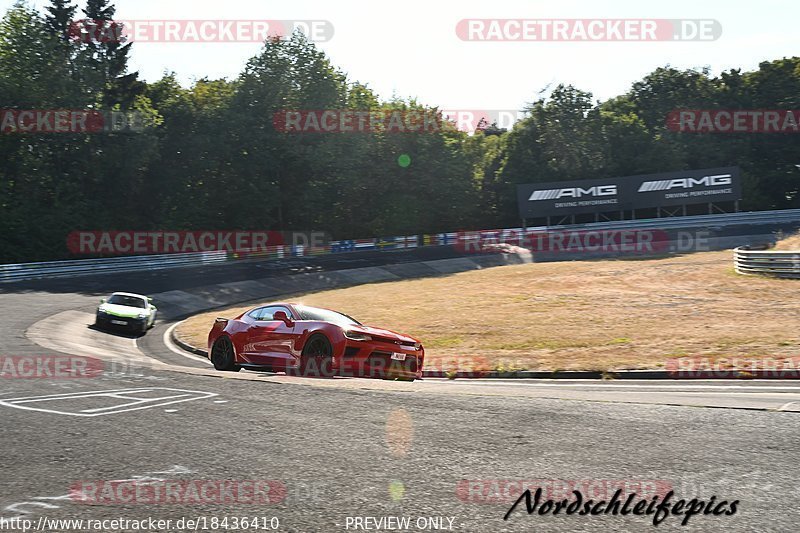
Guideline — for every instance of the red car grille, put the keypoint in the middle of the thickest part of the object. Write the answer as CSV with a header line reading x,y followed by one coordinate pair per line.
x,y
351,351
405,343
387,340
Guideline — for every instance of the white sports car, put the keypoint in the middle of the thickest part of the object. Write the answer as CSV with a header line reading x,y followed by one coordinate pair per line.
x,y
126,310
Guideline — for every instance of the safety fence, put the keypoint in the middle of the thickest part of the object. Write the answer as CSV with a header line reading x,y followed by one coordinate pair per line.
x,y
767,262
65,269
60,269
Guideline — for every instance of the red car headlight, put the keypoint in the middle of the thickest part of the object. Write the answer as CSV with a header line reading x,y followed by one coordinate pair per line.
x,y
356,336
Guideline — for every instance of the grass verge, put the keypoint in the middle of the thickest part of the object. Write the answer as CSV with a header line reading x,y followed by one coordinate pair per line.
x,y
579,315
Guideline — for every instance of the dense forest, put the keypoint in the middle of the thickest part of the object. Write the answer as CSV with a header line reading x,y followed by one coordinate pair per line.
x,y
210,157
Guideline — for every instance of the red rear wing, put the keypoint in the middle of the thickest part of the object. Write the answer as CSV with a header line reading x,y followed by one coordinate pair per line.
x,y
216,329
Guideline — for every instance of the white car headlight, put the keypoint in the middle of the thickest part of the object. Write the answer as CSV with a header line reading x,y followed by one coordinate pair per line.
x,y
356,336
142,315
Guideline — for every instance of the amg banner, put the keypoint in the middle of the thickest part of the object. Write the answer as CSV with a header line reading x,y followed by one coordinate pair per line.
x,y
570,197
686,187
664,189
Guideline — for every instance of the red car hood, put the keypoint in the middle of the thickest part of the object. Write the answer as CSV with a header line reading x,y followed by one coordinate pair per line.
x,y
385,333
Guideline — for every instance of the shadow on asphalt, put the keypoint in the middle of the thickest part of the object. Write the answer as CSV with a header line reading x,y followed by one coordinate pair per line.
x,y
117,333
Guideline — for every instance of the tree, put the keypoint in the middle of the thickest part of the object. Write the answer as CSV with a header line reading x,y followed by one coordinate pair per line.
x,y
104,59
59,20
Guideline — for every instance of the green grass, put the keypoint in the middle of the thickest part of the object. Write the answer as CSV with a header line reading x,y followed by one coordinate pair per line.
x,y
620,340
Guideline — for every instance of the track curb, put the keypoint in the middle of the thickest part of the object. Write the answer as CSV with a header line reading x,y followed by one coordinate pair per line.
x,y
567,374
185,345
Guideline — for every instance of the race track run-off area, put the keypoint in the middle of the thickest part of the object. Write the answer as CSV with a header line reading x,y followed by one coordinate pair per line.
x,y
158,434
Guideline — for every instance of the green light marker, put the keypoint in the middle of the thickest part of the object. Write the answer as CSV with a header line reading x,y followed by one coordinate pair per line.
x,y
397,490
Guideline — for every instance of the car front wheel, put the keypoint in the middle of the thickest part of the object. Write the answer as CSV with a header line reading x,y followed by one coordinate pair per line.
x,y
317,357
223,356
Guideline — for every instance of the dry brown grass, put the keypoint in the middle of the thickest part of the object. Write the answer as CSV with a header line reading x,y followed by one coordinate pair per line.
x,y
790,243
577,315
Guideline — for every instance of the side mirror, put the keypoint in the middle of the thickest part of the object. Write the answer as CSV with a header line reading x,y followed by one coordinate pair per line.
x,y
149,300
102,300
282,316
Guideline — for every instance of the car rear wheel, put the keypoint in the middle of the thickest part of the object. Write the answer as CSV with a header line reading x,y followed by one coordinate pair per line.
x,y
223,356
317,357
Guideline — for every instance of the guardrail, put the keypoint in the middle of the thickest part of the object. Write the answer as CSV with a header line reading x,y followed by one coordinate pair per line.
x,y
767,262
62,269
719,219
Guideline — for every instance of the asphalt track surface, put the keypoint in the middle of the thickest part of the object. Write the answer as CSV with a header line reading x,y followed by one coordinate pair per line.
x,y
347,447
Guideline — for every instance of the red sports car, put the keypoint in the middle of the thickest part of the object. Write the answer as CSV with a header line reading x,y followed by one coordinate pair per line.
x,y
309,341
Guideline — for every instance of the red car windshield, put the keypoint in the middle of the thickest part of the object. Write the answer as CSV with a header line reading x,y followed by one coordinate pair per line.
x,y
325,315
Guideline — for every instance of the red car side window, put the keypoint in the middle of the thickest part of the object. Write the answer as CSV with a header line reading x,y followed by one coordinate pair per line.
x,y
266,313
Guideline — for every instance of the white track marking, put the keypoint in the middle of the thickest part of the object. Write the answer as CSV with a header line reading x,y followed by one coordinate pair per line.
x,y
784,406
795,389
139,404
169,344
68,395
176,469
17,507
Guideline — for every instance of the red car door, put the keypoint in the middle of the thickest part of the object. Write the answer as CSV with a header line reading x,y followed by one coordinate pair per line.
x,y
271,340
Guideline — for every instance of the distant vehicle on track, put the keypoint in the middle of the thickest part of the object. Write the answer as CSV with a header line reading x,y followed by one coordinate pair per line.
x,y
311,341
134,312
